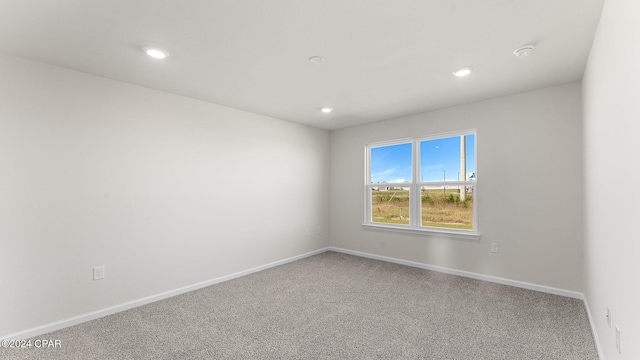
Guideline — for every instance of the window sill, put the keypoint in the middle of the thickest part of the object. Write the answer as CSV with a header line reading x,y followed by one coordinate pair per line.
x,y
466,235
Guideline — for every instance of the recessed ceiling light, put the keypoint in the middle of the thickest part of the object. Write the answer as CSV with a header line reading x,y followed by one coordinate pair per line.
x,y
463,71
523,52
155,53
316,60
326,110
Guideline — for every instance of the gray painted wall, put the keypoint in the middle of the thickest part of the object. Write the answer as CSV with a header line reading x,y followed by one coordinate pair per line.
x,y
163,190
611,93
529,193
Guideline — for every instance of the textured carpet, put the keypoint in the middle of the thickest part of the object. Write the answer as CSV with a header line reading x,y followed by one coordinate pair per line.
x,y
336,306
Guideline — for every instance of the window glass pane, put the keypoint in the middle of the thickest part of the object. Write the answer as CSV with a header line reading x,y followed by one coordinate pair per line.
x,y
391,164
390,205
449,207
441,160
470,142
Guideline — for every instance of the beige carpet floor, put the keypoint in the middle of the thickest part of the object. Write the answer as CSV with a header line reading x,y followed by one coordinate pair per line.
x,y
336,306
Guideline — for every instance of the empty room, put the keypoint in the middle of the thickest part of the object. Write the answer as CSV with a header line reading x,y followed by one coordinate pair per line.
x,y
296,179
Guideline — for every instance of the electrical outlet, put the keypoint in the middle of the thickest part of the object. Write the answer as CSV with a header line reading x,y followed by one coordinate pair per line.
x,y
495,247
317,229
609,317
618,339
306,231
98,273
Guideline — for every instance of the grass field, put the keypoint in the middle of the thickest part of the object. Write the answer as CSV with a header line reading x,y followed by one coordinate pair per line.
x,y
440,208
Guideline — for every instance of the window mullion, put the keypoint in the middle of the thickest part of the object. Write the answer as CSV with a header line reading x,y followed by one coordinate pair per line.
x,y
414,196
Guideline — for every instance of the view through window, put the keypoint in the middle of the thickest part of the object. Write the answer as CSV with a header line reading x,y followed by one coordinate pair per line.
x,y
423,183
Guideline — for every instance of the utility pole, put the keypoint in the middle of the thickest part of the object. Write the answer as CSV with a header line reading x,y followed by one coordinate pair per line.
x,y
463,167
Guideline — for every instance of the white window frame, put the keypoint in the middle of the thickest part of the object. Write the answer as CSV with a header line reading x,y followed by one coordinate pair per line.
x,y
415,186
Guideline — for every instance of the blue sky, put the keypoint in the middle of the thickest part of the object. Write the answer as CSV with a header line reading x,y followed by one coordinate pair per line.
x,y
437,157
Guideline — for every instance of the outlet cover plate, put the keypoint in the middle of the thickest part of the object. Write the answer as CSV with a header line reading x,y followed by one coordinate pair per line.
x,y
98,273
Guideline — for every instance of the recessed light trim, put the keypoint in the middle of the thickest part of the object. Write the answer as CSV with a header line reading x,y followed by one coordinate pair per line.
x,y
155,52
523,52
464,71
316,60
326,110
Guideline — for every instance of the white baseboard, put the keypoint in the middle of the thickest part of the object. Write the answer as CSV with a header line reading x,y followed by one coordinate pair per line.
x,y
40,330
593,328
494,279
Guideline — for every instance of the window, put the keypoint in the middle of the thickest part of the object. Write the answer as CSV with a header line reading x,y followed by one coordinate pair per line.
x,y
425,185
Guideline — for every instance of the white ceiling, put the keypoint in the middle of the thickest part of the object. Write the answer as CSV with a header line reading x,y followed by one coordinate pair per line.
x,y
383,58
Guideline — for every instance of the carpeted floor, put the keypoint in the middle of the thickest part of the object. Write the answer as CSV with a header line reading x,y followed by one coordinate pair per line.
x,y
336,306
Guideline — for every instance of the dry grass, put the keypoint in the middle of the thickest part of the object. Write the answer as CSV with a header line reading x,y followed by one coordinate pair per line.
x,y
440,208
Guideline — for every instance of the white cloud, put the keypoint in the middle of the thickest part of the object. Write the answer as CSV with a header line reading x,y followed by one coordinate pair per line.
x,y
383,173
380,176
